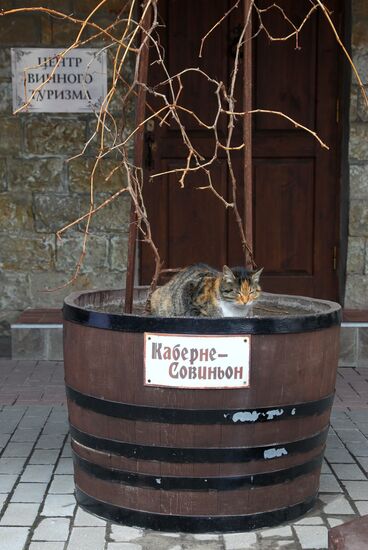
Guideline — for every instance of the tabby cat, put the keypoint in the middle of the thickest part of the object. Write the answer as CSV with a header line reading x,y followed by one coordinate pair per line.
x,y
200,290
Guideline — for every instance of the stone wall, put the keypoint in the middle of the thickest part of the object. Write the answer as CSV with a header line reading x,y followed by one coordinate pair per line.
x,y
357,265
40,191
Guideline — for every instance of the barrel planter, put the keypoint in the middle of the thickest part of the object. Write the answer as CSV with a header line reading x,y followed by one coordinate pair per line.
x,y
199,460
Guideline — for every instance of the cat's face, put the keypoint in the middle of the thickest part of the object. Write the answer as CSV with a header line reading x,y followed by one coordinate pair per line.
x,y
239,286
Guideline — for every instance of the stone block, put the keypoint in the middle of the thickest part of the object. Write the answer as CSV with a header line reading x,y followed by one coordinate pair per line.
x,y
69,249
114,217
55,344
360,58
113,6
363,347
362,109
6,318
22,254
359,181
28,343
19,29
359,10
348,347
54,211
80,172
3,176
358,146
52,529
10,136
353,110
50,289
356,255
358,224
15,212
15,292
63,32
51,135
356,293
35,174
5,63
119,253
5,98
366,258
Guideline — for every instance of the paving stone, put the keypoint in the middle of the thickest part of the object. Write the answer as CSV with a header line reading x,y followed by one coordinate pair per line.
x,y
64,466
312,536
47,546
358,490
338,505
352,436
67,450
85,538
13,538
40,474
62,484
239,541
334,522
338,456
325,469
204,536
25,435
329,484
58,505
358,449
44,456
362,506
52,529
364,463
313,520
131,546
7,483
281,532
29,492
348,472
20,514
50,442
3,498
11,465
17,450
121,533
84,519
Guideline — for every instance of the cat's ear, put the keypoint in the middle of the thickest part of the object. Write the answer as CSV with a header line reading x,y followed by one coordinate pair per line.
x,y
256,275
228,275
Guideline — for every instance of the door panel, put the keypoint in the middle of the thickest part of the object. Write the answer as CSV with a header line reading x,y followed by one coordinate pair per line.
x,y
295,181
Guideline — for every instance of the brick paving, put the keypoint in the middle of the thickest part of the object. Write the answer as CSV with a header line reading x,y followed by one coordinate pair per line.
x,y
37,506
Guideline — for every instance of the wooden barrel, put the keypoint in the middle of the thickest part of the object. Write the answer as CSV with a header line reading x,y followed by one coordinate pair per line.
x,y
178,459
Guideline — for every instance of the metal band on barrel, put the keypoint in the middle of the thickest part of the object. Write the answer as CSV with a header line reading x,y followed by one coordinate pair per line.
x,y
192,524
198,416
190,455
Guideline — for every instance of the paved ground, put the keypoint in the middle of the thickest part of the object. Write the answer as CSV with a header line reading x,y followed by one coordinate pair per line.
x,y
38,510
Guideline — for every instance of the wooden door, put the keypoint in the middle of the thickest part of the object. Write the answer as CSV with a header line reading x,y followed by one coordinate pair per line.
x,y
295,185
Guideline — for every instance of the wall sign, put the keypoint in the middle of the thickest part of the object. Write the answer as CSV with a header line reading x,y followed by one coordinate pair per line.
x,y
196,362
79,83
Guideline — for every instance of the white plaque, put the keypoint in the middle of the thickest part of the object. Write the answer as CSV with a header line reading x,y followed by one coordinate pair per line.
x,y
196,362
79,83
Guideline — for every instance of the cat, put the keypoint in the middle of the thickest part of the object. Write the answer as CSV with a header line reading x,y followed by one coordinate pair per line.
x,y
201,291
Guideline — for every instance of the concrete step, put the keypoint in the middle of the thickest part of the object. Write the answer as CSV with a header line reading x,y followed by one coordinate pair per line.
x,y
38,334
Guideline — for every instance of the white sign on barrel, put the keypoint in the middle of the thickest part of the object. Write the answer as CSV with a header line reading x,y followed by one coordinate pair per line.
x,y
196,362
48,82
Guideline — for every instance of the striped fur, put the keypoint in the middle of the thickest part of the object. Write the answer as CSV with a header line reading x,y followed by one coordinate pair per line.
x,y
200,290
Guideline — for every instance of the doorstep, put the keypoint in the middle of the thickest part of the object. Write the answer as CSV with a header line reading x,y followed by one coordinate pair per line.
x,y
354,338
38,334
